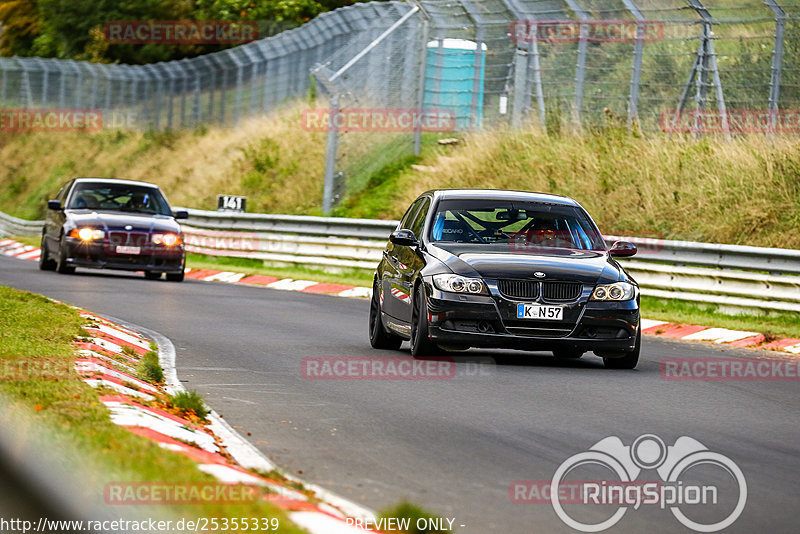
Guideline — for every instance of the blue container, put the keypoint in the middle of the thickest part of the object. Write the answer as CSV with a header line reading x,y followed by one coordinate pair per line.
x,y
452,81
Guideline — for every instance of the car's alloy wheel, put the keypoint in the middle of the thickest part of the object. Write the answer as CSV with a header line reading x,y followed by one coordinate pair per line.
x,y
630,359
45,262
379,338
421,345
61,264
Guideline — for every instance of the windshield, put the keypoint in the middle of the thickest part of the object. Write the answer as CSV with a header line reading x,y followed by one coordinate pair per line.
x,y
522,225
119,197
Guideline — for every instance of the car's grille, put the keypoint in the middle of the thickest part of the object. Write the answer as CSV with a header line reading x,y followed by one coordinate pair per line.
x,y
530,289
519,289
538,328
561,291
131,239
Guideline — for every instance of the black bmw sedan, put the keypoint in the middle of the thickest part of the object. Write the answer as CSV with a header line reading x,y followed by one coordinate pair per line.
x,y
504,269
113,224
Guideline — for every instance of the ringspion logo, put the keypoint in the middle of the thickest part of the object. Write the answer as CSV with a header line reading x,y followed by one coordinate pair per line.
x,y
675,491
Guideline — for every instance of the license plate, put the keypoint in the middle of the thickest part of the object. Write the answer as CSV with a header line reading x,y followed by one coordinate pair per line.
x,y
534,311
128,250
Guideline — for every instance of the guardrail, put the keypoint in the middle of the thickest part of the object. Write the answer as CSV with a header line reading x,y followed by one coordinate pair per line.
x,y
11,226
733,277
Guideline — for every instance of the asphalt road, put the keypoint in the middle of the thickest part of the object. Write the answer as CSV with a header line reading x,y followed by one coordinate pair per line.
x,y
454,445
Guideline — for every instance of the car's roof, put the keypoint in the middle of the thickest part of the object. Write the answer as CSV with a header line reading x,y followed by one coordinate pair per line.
x,y
499,194
116,181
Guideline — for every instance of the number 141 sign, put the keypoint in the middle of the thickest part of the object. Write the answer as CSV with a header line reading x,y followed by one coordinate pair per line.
x,y
231,203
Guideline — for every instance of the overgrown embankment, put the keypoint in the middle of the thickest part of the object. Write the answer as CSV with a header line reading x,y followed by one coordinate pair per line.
x,y
744,191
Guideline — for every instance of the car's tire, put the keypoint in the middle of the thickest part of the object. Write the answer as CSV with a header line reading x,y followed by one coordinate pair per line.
x,y
379,338
45,262
175,277
568,354
630,359
421,344
150,275
61,263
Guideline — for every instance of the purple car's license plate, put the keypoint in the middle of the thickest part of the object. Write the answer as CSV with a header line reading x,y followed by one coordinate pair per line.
x,y
128,250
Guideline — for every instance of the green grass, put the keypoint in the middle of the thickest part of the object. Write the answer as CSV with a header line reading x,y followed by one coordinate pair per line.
x,y
773,325
38,380
353,277
149,369
189,404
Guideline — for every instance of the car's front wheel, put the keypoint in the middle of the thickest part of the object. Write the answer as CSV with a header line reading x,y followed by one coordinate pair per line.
x,y
175,277
629,360
61,263
421,344
45,262
379,338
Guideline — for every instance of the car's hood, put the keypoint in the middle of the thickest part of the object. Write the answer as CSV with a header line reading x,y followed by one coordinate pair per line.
x,y
114,220
588,267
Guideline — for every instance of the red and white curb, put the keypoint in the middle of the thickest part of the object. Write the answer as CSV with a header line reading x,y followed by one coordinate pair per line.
x,y
107,359
687,332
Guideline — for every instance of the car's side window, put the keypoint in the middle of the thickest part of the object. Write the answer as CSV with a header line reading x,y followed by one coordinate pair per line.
x,y
407,219
419,219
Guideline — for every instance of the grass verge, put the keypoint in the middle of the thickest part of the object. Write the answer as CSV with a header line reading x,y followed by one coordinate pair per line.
x,y
37,377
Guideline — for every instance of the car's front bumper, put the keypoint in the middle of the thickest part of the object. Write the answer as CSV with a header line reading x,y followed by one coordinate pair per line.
x,y
487,321
99,255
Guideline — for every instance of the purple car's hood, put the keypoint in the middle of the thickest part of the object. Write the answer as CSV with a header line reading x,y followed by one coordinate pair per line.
x,y
114,220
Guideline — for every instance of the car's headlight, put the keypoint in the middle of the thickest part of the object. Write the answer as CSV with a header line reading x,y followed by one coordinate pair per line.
x,y
169,240
459,284
87,234
616,291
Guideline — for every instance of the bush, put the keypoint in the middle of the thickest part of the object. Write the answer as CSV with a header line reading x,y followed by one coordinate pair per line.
x,y
149,369
412,512
189,403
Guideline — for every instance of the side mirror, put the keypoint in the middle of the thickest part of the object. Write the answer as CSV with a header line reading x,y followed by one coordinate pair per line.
x,y
54,205
180,214
622,249
404,238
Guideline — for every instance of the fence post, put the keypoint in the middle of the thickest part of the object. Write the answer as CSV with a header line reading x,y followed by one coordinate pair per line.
x,y
520,75
423,70
330,158
777,62
580,70
638,50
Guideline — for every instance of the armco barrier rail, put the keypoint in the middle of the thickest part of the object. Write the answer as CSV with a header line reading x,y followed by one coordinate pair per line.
x,y
731,276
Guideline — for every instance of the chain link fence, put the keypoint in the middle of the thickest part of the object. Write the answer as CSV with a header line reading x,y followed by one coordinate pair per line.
x,y
398,74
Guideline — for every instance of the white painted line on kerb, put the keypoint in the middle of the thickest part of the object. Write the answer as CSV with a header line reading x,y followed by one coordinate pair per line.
x,y
719,335
650,323
244,452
